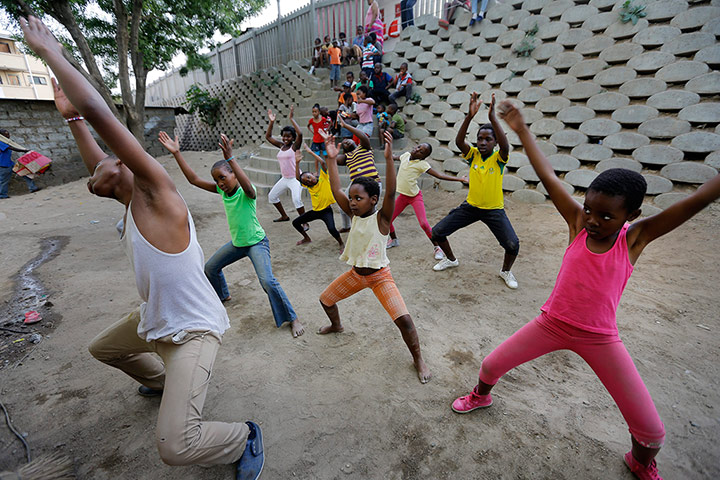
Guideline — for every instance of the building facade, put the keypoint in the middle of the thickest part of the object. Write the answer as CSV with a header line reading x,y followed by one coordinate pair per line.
x,y
22,76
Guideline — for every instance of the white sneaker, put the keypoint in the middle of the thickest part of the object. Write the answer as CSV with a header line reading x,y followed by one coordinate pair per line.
x,y
312,70
446,263
509,278
393,242
439,254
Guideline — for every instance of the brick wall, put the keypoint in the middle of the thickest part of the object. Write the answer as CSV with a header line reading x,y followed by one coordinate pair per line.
x,y
37,125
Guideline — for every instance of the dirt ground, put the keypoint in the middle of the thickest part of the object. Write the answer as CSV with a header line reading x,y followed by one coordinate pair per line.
x,y
349,406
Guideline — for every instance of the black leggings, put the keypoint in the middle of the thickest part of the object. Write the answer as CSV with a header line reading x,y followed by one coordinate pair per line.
x,y
324,215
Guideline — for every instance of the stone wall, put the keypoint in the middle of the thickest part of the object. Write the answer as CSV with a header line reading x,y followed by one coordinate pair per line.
x,y
37,125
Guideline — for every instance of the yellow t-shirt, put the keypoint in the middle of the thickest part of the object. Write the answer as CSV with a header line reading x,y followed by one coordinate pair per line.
x,y
485,180
321,193
408,174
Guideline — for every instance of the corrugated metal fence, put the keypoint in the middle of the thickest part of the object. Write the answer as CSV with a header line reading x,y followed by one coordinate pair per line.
x,y
288,38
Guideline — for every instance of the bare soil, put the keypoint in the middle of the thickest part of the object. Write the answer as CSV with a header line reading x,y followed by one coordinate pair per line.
x,y
350,405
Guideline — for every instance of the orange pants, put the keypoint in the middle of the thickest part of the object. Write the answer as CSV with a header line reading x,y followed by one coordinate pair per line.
x,y
381,283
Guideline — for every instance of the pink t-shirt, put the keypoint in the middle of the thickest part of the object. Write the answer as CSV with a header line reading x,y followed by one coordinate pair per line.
x,y
589,285
286,159
364,111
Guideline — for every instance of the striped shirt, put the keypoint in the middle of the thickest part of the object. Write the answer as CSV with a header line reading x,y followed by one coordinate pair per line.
x,y
361,163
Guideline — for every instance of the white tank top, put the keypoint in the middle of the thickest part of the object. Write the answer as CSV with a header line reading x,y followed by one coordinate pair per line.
x,y
176,293
365,245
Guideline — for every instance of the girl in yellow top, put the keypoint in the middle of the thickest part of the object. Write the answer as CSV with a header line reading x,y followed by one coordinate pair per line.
x,y
365,252
485,198
322,198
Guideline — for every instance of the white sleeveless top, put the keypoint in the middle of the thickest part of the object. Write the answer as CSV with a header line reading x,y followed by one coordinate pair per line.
x,y
176,293
365,245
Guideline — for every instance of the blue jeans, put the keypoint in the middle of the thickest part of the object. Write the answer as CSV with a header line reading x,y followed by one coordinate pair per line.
x,y
406,12
260,257
483,7
6,174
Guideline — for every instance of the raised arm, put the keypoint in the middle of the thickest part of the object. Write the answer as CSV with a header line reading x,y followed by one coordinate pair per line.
x,y
364,140
648,229
245,183
388,205
318,159
334,176
173,146
570,210
500,137
462,133
442,176
90,151
299,139
298,159
90,105
268,133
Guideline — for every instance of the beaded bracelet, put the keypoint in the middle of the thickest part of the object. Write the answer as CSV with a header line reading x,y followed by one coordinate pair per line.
x,y
73,119
228,159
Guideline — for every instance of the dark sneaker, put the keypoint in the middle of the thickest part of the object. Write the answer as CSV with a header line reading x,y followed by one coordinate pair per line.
x,y
149,392
250,465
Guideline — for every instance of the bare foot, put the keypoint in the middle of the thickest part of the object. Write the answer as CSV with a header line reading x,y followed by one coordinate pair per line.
x,y
423,371
297,328
304,240
281,219
342,247
226,299
331,329
344,230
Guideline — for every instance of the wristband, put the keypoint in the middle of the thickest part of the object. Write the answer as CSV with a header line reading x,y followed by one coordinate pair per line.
x,y
228,159
73,119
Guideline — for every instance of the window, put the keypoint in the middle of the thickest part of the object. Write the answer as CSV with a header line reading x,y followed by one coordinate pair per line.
x,y
13,79
39,80
4,47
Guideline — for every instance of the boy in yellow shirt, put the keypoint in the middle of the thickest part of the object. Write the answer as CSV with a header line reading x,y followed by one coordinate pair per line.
x,y
485,198
321,196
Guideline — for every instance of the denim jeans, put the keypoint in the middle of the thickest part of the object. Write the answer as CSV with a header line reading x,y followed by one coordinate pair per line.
x,y
406,12
6,174
260,257
483,7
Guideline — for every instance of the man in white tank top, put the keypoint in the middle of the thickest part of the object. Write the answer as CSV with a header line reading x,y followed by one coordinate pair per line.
x,y
159,236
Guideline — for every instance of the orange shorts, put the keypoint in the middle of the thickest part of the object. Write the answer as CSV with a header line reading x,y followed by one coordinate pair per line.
x,y
381,283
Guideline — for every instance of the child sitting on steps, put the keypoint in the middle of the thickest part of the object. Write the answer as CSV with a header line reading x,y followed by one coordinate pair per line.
x,y
580,313
365,253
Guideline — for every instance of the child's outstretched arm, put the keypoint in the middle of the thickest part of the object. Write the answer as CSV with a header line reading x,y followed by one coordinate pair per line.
x,y
245,183
91,105
568,208
462,133
648,229
268,133
299,138
334,176
318,159
90,151
298,159
364,140
442,176
173,146
388,205
500,137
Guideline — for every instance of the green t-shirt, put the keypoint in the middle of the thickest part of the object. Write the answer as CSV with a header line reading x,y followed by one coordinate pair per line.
x,y
245,229
399,123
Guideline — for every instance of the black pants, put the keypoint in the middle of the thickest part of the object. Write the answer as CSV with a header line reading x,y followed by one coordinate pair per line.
x,y
324,215
465,214
380,95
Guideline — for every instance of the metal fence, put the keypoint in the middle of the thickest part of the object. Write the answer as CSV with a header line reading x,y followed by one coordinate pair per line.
x,y
290,37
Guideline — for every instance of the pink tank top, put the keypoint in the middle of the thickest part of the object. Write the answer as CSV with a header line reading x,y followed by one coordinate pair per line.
x,y
589,285
286,159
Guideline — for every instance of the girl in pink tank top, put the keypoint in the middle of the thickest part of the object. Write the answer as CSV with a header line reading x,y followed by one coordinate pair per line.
x,y
289,143
580,313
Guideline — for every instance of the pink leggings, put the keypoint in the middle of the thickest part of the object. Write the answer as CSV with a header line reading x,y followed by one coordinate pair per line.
x,y
605,354
418,205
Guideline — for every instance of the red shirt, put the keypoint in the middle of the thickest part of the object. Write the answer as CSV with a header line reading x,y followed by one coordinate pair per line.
x,y
323,124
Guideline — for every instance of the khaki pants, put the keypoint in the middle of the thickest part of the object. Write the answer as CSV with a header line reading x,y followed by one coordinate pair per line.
x,y
184,374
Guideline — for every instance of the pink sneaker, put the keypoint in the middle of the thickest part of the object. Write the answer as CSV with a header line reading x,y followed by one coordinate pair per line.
x,y
641,471
471,402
